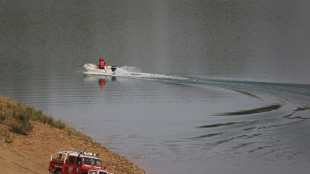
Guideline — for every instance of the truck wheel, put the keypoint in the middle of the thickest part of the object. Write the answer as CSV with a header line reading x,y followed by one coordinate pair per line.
x,y
58,172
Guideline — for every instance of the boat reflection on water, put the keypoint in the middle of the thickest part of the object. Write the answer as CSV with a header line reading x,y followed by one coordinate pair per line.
x,y
102,80
101,83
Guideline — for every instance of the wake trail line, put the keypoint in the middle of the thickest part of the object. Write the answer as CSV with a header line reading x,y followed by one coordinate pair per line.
x,y
136,73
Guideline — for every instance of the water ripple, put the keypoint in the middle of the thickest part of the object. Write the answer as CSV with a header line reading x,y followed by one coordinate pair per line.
x,y
252,111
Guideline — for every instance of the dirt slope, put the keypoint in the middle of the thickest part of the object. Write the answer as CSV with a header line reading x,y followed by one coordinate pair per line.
x,y
30,154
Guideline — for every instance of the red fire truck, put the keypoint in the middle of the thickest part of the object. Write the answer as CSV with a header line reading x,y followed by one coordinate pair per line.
x,y
74,162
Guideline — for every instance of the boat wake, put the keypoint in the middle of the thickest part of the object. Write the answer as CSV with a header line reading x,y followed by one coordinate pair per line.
x,y
237,85
295,95
252,118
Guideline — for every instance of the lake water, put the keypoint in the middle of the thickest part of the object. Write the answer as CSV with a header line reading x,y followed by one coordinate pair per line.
x,y
202,86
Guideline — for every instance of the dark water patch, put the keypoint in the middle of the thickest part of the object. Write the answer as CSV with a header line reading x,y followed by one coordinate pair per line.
x,y
250,128
302,112
274,125
208,135
218,125
236,137
252,111
257,148
242,145
244,92
302,108
265,149
299,116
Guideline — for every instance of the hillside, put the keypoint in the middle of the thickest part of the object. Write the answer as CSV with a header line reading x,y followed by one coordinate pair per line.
x,y
28,137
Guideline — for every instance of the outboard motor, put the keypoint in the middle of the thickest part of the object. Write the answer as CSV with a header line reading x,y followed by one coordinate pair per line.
x,y
113,68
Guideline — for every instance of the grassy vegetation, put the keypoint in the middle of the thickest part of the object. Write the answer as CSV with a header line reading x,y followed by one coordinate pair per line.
x,y
19,116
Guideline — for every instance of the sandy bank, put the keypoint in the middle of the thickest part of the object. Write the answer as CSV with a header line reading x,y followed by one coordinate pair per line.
x,y
31,153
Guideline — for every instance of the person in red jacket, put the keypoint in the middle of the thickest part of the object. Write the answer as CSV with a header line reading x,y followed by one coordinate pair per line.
x,y
101,63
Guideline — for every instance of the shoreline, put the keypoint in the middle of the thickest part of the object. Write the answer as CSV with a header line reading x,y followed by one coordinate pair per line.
x,y
45,138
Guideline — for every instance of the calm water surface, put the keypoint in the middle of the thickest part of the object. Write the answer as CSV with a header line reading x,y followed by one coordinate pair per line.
x,y
203,86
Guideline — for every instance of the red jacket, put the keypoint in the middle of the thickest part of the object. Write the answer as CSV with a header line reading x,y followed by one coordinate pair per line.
x,y
101,64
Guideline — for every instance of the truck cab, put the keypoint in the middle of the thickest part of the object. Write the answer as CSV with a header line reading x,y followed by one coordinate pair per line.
x,y
74,162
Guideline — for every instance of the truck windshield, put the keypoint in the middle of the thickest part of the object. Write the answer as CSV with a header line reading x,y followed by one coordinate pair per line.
x,y
92,161
58,157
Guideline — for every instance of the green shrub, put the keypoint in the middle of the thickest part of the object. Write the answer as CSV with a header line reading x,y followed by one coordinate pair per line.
x,y
50,120
29,112
37,116
23,118
8,104
21,115
21,127
73,132
2,116
59,124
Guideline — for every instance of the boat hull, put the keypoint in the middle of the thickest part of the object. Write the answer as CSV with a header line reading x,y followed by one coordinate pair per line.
x,y
89,67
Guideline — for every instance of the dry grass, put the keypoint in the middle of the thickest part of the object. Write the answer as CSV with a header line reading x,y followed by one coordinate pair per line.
x,y
20,115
